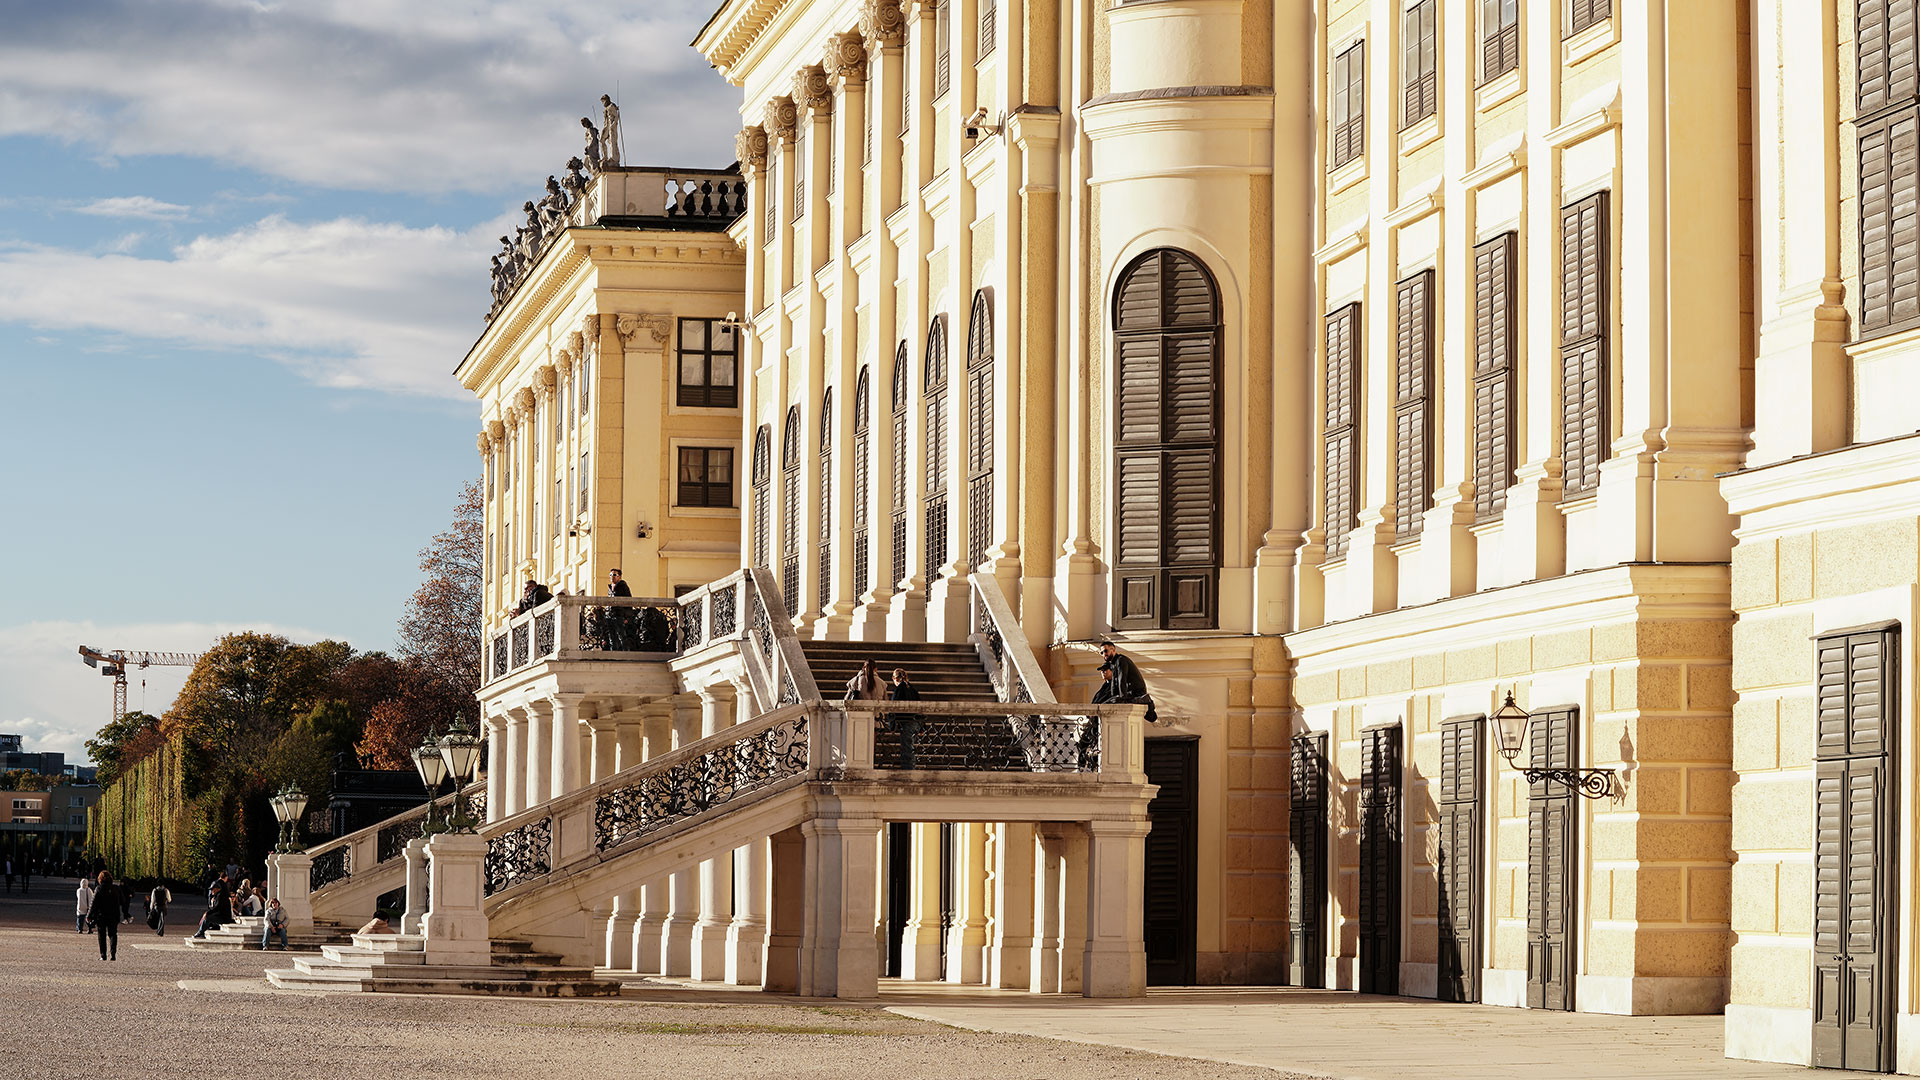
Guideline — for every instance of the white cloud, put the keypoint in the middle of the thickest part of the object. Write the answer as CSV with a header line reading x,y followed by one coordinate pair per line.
x,y
134,206
425,96
50,696
348,303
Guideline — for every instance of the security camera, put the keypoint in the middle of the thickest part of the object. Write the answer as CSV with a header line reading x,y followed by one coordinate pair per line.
x,y
978,127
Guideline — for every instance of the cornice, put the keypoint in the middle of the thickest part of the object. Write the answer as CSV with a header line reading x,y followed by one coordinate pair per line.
x,y
734,29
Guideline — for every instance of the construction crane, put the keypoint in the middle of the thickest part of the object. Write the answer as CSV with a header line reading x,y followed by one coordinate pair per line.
x,y
117,662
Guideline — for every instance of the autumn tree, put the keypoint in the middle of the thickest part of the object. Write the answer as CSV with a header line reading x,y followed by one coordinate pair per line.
x,y
245,691
440,629
122,743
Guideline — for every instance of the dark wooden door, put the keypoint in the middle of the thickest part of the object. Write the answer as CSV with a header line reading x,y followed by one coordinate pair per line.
x,y
899,891
1171,864
1550,862
946,892
1307,861
1855,852
1461,755
1379,914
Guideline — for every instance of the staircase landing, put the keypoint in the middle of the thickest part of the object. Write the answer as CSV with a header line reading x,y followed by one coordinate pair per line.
x,y
396,964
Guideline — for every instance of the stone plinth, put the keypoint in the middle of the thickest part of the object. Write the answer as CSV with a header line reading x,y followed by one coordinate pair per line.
x,y
456,919
416,913
289,875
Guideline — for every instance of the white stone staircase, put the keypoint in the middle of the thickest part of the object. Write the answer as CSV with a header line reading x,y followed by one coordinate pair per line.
x,y
396,964
244,933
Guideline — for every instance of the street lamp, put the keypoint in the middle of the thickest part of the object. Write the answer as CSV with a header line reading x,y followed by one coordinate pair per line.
x,y
433,772
287,808
1510,725
460,755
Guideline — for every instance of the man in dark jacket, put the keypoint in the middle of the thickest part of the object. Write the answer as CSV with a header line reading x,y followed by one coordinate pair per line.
x,y
532,597
619,620
1127,685
108,911
907,724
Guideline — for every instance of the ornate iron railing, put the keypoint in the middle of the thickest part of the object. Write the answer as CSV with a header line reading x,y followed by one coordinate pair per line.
x,y
724,624
967,740
518,854
499,667
544,639
575,627
392,841
520,645
329,867
692,628
683,788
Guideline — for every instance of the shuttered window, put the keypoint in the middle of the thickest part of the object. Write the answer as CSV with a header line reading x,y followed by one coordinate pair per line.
x,y
1420,63
899,473
1380,835
1340,500
1585,362
1493,336
826,501
1551,861
800,168
1347,140
762,497
942,47
1887,133
1307,860
1413,404
790,511
1582,14
1166,344
862,482
934,391
1458,865
1499,37
989,26
980,427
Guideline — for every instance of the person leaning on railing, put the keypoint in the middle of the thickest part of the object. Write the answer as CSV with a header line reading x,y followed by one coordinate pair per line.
x,y
907,724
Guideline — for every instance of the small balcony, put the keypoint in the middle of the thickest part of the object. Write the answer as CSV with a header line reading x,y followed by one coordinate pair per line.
x,y
587,628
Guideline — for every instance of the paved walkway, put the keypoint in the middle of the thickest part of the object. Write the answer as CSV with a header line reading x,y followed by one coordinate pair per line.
x,y
1354,1037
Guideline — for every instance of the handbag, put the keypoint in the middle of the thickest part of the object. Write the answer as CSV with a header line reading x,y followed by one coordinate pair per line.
x,y
153,919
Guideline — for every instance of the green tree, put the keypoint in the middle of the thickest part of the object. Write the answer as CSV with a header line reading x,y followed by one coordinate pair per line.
x,y
120,743
245,691
304,753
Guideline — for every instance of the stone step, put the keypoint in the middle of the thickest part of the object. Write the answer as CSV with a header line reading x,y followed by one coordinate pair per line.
x,y
928,648
354,954
390,942
550,988
295,979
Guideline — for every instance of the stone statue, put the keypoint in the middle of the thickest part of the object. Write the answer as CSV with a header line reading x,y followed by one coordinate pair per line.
x,y
553,209
592,153
576,181
609,133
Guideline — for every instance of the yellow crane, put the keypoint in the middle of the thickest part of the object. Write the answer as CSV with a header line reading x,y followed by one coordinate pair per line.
x,y
116,663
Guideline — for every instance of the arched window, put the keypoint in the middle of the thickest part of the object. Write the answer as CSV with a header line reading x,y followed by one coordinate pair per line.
x,y
790,511
1166,345
862,482
762,496
979,427
934,390
899,465
826,501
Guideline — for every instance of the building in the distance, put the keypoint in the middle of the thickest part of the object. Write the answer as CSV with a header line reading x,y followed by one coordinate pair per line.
x,y
15,756
45,829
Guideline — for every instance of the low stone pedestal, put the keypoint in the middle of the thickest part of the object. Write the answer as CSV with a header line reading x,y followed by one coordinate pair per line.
x,y
289,875
456,919
412,920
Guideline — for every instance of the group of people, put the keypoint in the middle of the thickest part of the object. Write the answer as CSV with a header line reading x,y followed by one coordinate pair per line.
x,y
867,685
228,902
614,628
24,870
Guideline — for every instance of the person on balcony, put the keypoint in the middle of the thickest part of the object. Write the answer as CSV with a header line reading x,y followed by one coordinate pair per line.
x,y
1128,687
618,621
1104,692
532,597
866,684
907,724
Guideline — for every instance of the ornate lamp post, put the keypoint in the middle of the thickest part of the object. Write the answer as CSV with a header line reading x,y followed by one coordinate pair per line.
x,y
433,772
287,808
1510,724
460,756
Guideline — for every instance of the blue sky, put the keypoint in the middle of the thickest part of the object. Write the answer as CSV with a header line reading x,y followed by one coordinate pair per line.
x,y
242,246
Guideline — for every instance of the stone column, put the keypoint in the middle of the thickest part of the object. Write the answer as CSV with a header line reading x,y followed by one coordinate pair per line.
x,y
710,949
747,936
292,873
967,937
838,955
600,937
412,920
627,738
787,912
539,753
684,891
1115,962
1048,893
649,930
601,762
456,922
920,942
513,780
496,766
568,769
1010,940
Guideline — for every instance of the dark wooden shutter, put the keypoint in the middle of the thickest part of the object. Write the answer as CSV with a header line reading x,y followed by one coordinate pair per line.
x,y
1856,845
1412,404
862,481
1585,364
800,164
1582,14
762,497
1551,862
1307,861
899,466
1499,37
1493,330
1420,71
1459,862
935,438
942,47
980,427
989,30
1887,135
1170,905
1379,896
1348,138
790,512
1340,503
1166,407
825,553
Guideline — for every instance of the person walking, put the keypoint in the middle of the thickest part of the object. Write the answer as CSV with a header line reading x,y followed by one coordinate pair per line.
x,y
82,905
866,684
276,924
157,902
8,866
907,724
109,908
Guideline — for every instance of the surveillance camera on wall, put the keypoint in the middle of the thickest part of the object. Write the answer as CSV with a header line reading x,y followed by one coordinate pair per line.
x,y
978,127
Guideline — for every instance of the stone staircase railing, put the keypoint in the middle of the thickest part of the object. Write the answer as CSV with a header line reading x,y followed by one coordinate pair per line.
x,y
383,843
1003,646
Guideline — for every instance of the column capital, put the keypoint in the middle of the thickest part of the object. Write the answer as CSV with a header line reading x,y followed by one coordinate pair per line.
x,y
659,326
882,23
497,431
720,691
750,147
523,402
780,119
483,442
845,58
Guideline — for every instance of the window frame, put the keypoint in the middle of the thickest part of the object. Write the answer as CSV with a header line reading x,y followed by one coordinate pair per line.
x,y
1502,34
1419,62
707,486
1347,130
704,395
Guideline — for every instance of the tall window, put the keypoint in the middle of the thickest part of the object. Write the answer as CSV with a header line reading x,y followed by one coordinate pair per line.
x,y
1166,343
862,481
586,381
790,511
800,170
558,410
585,483
979,427
934,391
1499,37
1420,63
709,365
1585,366
989,26
942,47
1493,328
762,495
826,500
1342,446
900,465
1348,139
1582,14
866,118
1887,129
1412,404
705,477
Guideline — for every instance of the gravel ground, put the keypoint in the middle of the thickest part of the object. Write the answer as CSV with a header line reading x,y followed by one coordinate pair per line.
x,y
133,1018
